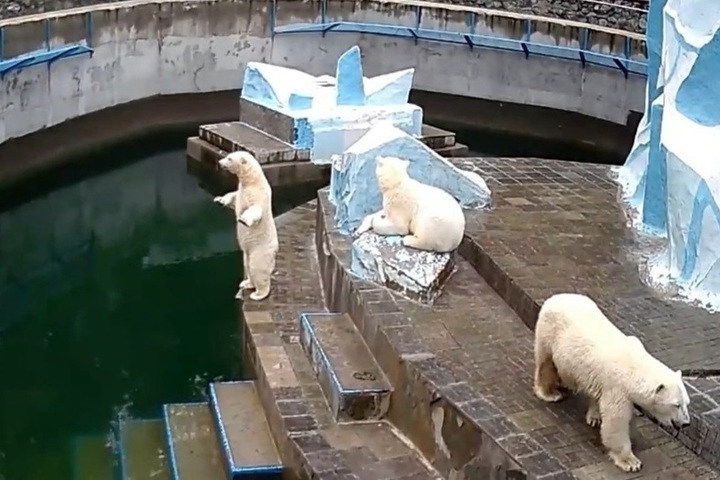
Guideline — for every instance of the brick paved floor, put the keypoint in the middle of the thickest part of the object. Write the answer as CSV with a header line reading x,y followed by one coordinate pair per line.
x,y
472,352
309,439
558,226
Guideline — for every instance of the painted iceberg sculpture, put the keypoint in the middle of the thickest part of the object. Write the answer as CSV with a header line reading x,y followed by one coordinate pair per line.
x,y
354,187
671,178
355,193
331,113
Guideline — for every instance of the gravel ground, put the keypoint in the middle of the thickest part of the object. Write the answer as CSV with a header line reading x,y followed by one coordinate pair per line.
x,y
606,13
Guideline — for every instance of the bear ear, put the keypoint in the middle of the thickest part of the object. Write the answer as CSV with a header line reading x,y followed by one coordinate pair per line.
x,y
679,373
659,388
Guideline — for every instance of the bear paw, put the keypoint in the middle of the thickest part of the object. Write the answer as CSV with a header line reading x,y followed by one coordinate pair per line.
x,y
549,397
246,285
257,296
592,419
627,462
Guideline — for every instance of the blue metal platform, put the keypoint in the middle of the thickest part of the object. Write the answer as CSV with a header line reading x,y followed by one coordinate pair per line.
x,y
468,38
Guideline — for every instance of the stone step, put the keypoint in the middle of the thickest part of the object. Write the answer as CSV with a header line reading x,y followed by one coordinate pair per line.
x,y
244,434
437,138
457,150
93,458
143,452
234,136
354,385
193,446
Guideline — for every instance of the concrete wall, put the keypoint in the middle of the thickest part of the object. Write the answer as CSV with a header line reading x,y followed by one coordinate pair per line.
x,y
169,47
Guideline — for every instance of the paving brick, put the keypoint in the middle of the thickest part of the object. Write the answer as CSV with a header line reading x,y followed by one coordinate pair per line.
x,y
486,374
559,227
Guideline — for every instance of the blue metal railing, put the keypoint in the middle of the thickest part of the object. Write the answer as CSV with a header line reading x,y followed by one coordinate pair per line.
x,y
469,38
47,56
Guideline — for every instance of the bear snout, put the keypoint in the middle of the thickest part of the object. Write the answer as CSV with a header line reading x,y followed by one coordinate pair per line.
x,y
680,425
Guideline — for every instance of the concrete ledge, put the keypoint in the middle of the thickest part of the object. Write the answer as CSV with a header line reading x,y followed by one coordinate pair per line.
x,y
353,383
204,158
165,48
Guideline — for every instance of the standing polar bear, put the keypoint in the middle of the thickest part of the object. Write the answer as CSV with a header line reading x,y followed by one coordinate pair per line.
x,y
256,232
428,217
578,348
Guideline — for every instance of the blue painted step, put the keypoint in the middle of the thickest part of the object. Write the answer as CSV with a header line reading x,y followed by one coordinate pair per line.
x,y
143,452
249,449
193,447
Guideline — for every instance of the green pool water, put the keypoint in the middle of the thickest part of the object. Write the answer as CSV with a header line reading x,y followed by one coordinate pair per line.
x,y
116,296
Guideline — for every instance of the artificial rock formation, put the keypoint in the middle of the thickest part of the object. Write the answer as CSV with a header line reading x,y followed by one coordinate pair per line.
x,y
330,113
355,193
354,188
417,274
672,177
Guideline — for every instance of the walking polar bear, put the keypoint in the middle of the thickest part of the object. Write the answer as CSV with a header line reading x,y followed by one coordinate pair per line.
x,y
256,232
578,348
428,217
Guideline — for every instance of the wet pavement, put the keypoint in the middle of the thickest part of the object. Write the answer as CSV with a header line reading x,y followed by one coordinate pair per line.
x,y
559,227
462,403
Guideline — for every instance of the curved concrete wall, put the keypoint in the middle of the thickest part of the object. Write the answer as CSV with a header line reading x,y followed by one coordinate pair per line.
x,y
146,48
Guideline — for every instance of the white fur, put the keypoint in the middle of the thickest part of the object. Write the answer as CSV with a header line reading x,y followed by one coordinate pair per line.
x,y
256,232
428,217
578,348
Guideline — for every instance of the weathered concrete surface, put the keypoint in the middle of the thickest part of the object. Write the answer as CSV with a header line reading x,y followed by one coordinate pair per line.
x,y
415,274
627,15
311,443
462,378
353,383
558,227
170,47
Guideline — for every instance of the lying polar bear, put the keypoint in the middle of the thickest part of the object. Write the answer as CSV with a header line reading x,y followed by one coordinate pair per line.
x,y
256,232
428,217
578,348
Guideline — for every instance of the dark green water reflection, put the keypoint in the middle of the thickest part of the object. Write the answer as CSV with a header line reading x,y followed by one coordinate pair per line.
x,y
116,296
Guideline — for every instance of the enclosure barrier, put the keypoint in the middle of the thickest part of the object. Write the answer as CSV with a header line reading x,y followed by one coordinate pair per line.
x,y
583,54
49,55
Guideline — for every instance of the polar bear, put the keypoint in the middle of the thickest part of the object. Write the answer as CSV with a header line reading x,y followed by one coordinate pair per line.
x,y
428,217
578,348
256,232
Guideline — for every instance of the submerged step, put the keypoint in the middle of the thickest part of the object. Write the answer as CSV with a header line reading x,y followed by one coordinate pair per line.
x,y
354,384
249,448
192,442
233,136
143,454
93,458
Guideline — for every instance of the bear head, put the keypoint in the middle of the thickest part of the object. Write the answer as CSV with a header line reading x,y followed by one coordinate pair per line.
x,y
669,401
390,172
243,165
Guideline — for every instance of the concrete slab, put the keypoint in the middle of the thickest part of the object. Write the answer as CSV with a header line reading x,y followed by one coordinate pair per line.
x,y
248,446
353,383
233,136
437,138
143,450
193,443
